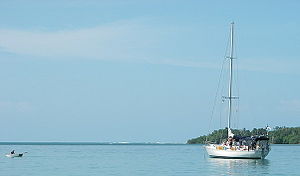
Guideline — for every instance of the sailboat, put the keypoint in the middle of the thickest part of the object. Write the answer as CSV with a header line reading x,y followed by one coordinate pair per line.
x,y
242,147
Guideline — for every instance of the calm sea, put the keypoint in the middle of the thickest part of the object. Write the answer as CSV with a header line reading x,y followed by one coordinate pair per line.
x,y
140,160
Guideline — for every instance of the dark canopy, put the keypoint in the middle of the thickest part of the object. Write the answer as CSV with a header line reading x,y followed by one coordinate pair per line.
x,y
252,138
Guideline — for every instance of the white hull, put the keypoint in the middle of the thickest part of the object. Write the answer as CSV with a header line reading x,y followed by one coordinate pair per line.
x,y
228,153
14,155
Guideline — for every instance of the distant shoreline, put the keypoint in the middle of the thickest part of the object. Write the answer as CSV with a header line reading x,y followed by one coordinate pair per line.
x,y
101,143
86,143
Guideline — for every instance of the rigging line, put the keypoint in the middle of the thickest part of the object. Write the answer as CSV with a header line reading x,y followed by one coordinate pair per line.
x,y
238,94
216,95
218,87
236,110
220,114
222,110
237,85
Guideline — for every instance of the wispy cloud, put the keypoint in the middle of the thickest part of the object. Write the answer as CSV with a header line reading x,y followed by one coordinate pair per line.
x,y
290,105
256,65
131,40
120,40
270,65
185,63
19,106
128,40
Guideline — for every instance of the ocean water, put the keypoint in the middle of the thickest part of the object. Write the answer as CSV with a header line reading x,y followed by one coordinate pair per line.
x,y
140,160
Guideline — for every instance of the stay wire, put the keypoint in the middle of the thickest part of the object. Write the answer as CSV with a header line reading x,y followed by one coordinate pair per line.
x,y
218,87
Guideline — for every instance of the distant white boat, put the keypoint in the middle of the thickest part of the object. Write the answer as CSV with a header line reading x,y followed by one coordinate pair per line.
x,y
248,147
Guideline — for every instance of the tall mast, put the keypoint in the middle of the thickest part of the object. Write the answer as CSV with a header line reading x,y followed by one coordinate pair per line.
x,y
230,79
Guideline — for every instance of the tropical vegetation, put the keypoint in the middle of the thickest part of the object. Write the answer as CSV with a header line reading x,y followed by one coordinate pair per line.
x,y
279,135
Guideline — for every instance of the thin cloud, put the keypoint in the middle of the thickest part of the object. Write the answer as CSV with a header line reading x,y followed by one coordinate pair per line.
x,y
19,106
119,40
184,63
128,40
270,65
256,65
290,105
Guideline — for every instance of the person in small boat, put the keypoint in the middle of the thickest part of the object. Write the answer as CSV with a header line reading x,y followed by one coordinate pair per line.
x,y
12,152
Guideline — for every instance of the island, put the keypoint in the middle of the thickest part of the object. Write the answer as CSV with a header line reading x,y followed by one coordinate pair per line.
x,y
279,135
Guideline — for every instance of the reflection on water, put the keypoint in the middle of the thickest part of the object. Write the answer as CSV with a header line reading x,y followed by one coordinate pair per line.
x,y
238,166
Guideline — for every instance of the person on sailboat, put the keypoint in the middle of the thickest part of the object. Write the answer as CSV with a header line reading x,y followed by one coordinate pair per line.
x,y
230,141
12,152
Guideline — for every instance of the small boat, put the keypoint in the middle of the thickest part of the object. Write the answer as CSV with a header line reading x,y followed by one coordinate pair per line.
x,y
242,147
15,155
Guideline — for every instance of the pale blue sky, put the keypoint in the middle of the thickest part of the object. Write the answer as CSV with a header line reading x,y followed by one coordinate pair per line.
x,y
142,71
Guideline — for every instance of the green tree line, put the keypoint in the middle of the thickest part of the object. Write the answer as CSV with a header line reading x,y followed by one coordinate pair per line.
x,y
279,135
